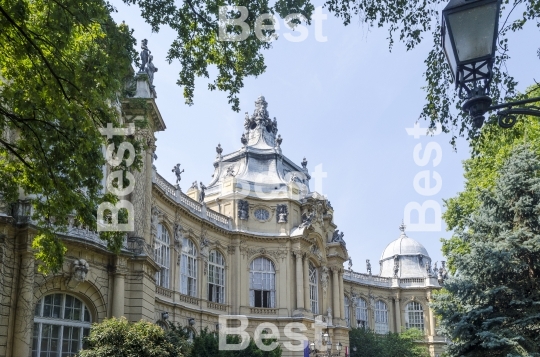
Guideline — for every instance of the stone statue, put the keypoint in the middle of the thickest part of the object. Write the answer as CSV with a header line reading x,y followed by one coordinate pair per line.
x,y
145,53
304,164
428,268
247,122
368,266
195,185
329,314
150,70
350,263
154,219
396,266
324,278
202,193
244,140
307,219
177,172
178,236
205,246
219,149
281,213
338,237
279,140
243,209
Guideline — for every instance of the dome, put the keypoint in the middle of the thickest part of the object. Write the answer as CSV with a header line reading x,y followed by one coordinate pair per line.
x,y
409,255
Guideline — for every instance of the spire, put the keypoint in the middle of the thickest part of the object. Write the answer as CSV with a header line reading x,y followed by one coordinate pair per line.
x,y
402,229
260,126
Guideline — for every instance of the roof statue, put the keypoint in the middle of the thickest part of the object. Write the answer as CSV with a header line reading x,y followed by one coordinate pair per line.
x,y
145,53
177,172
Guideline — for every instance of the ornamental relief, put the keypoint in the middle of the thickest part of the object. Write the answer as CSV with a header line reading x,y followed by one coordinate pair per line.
x,y
251,251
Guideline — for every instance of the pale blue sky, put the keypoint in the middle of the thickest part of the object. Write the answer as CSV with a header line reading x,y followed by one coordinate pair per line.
x,y
345,104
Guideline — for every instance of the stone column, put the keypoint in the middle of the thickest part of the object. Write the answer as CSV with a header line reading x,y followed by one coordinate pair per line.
x,y
25,306
397,313
431,317
299,280
307,300
335,290
119,288
342,294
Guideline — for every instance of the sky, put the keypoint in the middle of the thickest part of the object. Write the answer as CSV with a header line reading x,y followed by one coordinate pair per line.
x,y
345,105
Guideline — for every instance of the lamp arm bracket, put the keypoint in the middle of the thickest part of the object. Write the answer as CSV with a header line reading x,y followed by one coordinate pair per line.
x,y
507,117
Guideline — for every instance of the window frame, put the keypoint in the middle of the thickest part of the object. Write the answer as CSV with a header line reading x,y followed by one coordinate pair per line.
x,y
267,277
216,268
416,313
188,268
63,324
313,288
381,317
162,256
361,311
347,306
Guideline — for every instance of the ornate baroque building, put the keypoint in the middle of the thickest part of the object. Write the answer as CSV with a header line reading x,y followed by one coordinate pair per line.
x,y
254,241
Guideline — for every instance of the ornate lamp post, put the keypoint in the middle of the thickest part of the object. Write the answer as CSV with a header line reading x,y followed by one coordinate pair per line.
x,y
328,353
469,38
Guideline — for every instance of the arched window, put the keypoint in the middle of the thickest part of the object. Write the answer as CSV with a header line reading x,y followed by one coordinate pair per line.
x,y
381,317
347,312
188,268
414,316
60,323
162,253
313,289
361,314
216,277
262,287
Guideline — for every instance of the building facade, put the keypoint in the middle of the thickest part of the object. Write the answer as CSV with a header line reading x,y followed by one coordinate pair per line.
x,y
255,241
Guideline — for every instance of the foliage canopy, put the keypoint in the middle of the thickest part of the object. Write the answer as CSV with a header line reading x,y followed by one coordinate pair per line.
x,y
492,304
370,344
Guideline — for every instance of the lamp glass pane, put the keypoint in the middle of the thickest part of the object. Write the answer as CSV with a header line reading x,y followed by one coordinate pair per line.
x,y
473,30
449,51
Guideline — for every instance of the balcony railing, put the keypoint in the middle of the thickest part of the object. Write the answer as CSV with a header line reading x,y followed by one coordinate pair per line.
x,y
193,206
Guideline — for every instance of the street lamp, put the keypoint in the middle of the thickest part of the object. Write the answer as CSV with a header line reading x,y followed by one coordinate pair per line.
x,y
469,38
328,353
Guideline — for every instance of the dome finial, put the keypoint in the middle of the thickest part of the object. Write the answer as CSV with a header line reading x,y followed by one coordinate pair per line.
x,y
402,228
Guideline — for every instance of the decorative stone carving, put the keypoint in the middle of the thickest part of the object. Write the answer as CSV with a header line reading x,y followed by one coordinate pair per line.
x,y
261,214
307,219
329,316
150,70
178,237
177,172
205,251
279,140
145,53
194,185
324,278
154,219
428,269
231,249
282,213
338,237
304,164
202,193
396,266
219,150
230,172
79,271
350,263
316,251
368,266
244,140
243,209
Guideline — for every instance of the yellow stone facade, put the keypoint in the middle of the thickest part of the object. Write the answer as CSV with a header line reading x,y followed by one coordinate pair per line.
x,y
259,244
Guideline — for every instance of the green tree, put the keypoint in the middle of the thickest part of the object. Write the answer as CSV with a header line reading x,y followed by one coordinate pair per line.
x,y
120,338
62,68
492,304
488,154
370,344
206,344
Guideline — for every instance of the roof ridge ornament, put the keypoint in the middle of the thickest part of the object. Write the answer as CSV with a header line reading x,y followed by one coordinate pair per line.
x,y
402,227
